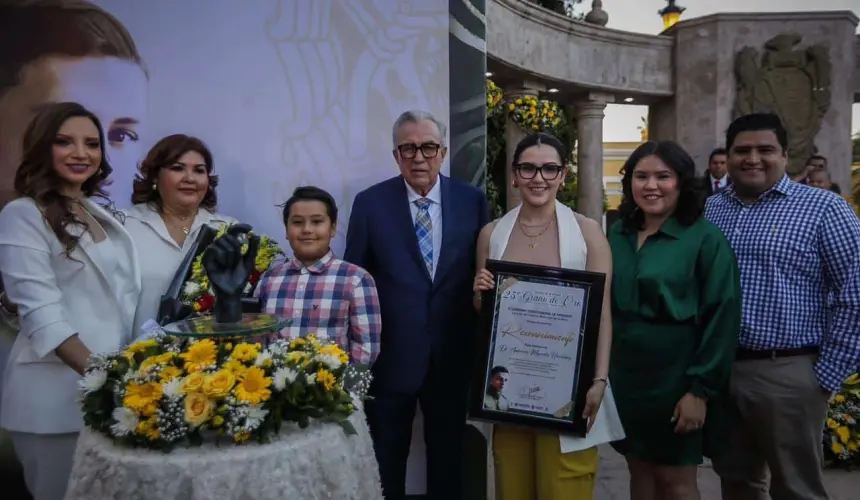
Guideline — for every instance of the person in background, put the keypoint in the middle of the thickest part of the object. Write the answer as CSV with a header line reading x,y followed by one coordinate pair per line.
x,y
540,465
173,196
814,163
798,249
676,309
325,296
817,162
717,177
72,270
415,233
820,178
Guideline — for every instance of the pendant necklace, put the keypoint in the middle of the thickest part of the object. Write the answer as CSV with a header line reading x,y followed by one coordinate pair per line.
x,y
533,237
183,225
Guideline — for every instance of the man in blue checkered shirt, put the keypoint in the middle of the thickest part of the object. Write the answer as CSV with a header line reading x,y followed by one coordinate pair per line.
x,y
795,245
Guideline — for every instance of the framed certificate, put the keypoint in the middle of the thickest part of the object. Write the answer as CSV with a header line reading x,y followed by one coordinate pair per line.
x,y
539,330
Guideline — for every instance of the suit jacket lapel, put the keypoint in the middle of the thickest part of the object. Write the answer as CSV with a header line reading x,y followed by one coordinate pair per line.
x,y
124,246
448,248
405,224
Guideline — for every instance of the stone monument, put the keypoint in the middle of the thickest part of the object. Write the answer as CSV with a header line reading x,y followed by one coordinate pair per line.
x,y
791,82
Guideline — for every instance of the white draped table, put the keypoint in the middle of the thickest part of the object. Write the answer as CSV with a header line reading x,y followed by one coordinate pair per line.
x,y
320,462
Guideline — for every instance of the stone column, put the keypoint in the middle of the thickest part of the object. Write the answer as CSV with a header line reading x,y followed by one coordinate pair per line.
x,y
513,135
589,160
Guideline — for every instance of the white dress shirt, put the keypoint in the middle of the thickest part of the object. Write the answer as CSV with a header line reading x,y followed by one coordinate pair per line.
x,y
160,255
723,181
435,209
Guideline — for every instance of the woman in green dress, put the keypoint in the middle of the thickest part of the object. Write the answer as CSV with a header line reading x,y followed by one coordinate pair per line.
x,y
676,309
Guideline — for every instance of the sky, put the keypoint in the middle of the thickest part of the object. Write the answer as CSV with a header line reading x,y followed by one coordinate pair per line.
x,y
641,16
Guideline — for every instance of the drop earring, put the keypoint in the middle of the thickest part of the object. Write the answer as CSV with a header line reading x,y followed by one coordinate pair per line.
x,y
154,186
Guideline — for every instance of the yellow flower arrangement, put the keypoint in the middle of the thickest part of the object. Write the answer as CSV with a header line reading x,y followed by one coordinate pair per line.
x,y
197,292
494,97
842,429
536,115
169,391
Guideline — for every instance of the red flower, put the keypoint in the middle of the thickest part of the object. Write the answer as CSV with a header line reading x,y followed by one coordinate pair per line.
x,y
206,302
254,278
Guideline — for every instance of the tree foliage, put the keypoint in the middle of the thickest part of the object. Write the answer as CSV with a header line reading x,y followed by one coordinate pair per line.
x,y
566,7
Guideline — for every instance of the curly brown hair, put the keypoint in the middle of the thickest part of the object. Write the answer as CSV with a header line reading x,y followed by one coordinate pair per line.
x,y
166,152
36,177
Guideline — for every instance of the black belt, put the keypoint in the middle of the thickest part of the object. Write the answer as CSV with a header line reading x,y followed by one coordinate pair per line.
x,y
750,354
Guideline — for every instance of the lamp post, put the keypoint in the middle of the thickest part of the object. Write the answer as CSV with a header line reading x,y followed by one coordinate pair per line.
x,y
671,14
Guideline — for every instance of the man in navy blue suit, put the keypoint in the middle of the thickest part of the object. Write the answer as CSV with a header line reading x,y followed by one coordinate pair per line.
x,y
416,234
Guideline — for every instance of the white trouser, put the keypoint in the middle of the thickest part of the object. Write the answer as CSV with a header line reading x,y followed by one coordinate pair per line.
x,y
47,462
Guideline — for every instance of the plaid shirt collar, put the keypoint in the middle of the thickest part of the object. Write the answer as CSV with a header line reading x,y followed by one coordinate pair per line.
x,y
784,187
318,267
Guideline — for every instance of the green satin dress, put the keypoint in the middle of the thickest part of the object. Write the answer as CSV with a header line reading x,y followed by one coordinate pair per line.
x,y
676,310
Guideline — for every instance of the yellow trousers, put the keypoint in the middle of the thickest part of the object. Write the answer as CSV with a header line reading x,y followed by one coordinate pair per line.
x,y
530,466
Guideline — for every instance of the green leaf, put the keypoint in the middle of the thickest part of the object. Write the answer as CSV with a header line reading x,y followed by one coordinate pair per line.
x,y
348,428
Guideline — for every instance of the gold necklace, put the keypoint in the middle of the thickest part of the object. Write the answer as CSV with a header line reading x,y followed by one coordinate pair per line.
x,y
185,228
533,237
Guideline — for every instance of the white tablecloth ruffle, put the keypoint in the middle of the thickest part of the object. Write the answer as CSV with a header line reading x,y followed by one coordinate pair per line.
x,y
320,462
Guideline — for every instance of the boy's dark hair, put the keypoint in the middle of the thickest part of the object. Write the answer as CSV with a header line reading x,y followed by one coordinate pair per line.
x,y
311,193
756,122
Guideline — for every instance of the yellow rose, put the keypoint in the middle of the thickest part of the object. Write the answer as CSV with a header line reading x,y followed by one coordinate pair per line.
x,y
839,398
218,384
198,408
193,382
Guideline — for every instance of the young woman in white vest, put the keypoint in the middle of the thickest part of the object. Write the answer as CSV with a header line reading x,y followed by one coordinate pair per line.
x,y
542,231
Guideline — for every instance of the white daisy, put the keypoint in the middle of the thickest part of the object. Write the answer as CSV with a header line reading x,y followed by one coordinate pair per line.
x,y
262,358
93,381
284,376
172,389
255,417
125,421
331,361
191,288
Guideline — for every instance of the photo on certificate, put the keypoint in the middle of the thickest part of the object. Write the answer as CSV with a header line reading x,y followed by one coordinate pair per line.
x,y
535,362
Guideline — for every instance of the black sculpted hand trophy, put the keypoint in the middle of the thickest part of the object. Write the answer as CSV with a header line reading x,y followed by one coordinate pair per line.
x,y
228,270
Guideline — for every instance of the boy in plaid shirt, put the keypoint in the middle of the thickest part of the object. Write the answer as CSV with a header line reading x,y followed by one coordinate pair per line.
x,y
323,295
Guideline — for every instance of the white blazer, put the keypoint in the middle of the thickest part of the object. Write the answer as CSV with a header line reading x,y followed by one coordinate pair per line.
x,y
58,297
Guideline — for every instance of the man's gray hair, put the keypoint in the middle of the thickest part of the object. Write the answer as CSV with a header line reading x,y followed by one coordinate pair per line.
x,y
415,116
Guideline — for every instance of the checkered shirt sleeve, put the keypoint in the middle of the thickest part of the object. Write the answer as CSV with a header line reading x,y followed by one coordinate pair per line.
x,y
840,254
365,320
798,250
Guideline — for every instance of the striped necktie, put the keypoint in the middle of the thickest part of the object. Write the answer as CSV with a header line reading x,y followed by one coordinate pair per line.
x,y
424,232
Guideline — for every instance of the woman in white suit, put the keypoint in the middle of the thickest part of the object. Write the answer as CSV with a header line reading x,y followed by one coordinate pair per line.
x,y
174,196
72,270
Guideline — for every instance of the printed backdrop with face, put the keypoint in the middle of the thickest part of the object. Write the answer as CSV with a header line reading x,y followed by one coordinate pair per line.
x,y
284,92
